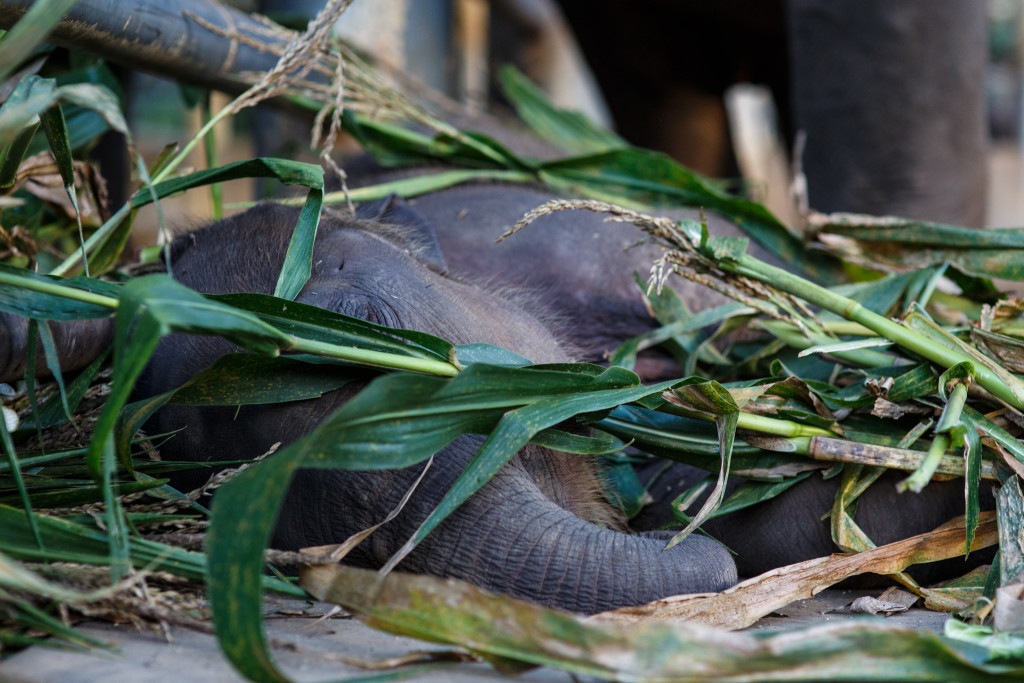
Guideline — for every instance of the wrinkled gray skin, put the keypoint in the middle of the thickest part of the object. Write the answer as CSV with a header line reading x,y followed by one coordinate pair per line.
x,y
522,534
78,343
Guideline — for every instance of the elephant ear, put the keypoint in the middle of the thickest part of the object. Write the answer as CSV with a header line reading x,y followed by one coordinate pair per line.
x,y
416,231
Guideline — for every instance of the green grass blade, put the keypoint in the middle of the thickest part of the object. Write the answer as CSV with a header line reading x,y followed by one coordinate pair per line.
x,y
56,130
150,307
246,379
240,529
714,399
53,364
44,297
53,412
30,375
29,32
12,156
317,324
423,184
287,172
568,130
597,444
12,459
298,260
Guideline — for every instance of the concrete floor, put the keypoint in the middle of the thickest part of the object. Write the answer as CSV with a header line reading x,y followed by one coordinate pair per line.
x,y
310,649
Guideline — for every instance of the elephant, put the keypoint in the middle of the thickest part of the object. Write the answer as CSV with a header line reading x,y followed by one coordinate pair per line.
x,y
578,264
530,532
890,95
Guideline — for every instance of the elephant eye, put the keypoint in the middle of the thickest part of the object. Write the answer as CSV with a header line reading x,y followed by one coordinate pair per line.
x,y
370,311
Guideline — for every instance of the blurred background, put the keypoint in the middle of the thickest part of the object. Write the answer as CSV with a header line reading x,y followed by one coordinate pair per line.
x,y
704,82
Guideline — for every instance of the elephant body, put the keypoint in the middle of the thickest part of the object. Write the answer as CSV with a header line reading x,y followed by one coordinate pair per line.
x,y
529,532
581,268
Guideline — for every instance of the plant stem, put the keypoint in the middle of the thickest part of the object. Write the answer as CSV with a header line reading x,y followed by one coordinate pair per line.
x,y
210,145
190,145
798,339
755,423
60,290
923,474
950,418
101,234
851,310
378,359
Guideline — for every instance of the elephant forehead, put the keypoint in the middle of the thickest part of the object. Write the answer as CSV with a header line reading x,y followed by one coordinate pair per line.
x,y
358,273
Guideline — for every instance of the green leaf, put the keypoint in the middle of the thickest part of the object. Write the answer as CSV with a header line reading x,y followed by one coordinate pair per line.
x,y
727,248
56,130
246,379
881,295
569,130
1010,509
393,145
44,297
624,488
12,156
651,650
69,542
567,442
53,364
71,496
318,324
425,184
398,420
19,42
682,330
467,354
26,503
151,307
298,260
52,412
898,244
35,95
712,398
749,493
972,478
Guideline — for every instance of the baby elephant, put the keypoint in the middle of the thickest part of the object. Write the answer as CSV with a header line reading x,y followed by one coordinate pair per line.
x,y
539,530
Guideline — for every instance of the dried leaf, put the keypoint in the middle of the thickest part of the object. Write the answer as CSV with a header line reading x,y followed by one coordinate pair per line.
x,y
869,605
505,629
748,601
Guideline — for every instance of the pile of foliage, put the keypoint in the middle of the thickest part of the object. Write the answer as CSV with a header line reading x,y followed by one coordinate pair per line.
x,y
909,364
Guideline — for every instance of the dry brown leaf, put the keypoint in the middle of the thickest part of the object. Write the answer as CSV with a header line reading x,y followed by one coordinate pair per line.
x,y
830,449
39,175
746,602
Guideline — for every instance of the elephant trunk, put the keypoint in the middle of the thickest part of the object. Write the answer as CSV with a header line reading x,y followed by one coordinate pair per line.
x,y
78,343
526,546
